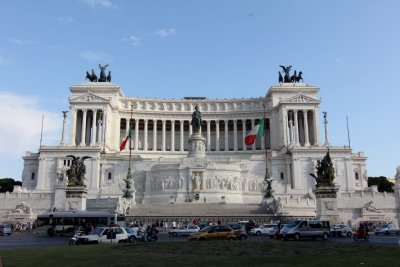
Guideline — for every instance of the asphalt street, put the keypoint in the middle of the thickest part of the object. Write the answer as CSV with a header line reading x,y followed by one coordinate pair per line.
x,y
23,240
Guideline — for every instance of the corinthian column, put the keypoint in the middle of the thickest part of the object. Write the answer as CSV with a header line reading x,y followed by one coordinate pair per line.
x,y
83,132
306,138
296,122
208,136
173,135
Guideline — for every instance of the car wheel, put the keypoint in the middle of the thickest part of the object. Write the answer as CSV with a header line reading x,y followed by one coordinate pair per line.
x,y
72,242
297,237
202,239
174,234
397,232
348,234
132,239
231,238
258,233
1,234
324,236
243,237
50,232
386,232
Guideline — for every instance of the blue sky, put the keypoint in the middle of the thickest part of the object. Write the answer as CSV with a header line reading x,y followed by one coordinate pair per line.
x,y
217,49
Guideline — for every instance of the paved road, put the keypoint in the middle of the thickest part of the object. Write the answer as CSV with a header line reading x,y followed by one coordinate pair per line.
x,y
20,240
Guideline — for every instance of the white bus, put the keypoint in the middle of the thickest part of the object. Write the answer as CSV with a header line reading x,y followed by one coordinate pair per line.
x,y
67,222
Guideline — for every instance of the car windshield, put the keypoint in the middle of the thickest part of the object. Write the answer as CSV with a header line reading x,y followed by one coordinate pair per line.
x,y
98,230
205,229
130,230
292,224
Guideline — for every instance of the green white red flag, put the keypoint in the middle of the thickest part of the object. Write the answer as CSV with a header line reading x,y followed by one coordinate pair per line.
x,y
258,130
126,139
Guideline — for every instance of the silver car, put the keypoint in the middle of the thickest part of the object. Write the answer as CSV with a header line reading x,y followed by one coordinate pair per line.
x,y
184,230
387,229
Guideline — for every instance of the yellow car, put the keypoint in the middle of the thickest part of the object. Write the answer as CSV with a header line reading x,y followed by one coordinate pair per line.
x,y
215,232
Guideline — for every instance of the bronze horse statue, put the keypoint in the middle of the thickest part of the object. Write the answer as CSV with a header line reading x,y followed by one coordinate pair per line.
x,y
299,77
103,77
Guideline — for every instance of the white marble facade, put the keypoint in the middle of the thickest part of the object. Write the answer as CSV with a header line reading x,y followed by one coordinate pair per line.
x,y
226,170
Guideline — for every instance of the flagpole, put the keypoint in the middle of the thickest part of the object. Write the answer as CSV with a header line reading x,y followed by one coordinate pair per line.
x,y
41,134
348,131
265,147
128,179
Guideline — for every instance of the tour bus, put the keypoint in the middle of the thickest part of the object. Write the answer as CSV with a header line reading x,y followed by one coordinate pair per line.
x,y
66,222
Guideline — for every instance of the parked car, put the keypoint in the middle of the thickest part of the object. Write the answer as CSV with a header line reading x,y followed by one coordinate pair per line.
x,y
104,235
387,229
132,234
184,230
341,230
216,232
5,229
266,229
301,228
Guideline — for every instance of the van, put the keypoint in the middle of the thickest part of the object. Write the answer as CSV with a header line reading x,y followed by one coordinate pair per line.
x,y
306,229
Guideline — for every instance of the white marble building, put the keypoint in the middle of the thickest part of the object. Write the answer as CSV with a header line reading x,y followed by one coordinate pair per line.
x,y
227,171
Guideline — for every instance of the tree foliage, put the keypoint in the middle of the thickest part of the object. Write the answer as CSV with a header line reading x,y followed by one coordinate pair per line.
x,y
7,184
382,182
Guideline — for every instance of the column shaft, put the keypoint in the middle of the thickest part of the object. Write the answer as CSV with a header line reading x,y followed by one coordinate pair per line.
x,y
154,135
146,124
83,132
173,135
296,122
208,136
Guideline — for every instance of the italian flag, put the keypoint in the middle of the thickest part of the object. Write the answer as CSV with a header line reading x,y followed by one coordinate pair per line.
x,y
258,130
128,136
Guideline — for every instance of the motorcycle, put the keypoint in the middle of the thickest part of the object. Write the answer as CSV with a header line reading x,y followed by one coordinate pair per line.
x,y
361,234
148,237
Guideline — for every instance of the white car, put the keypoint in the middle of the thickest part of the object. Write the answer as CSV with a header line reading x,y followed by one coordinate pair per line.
x,y
184,230
104,235
5,229
341,230
266,229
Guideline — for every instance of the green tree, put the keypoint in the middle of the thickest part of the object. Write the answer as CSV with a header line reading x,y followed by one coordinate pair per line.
x,y
7,184
382,182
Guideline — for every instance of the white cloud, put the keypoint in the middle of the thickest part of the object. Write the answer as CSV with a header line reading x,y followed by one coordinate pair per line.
x,y
100,3
95,56
21,122
19,41
165,32
132,40
3,61
65,20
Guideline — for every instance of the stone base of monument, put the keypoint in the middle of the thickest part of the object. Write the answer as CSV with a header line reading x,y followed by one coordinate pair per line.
x,y
197,145
326,203
75,198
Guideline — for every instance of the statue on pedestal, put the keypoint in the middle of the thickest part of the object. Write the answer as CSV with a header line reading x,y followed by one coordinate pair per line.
x,y
325,172
196,120
77,170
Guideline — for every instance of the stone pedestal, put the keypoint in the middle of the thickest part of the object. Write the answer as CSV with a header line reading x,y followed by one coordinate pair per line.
x,y
327,203
75,198
59,196
197,145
